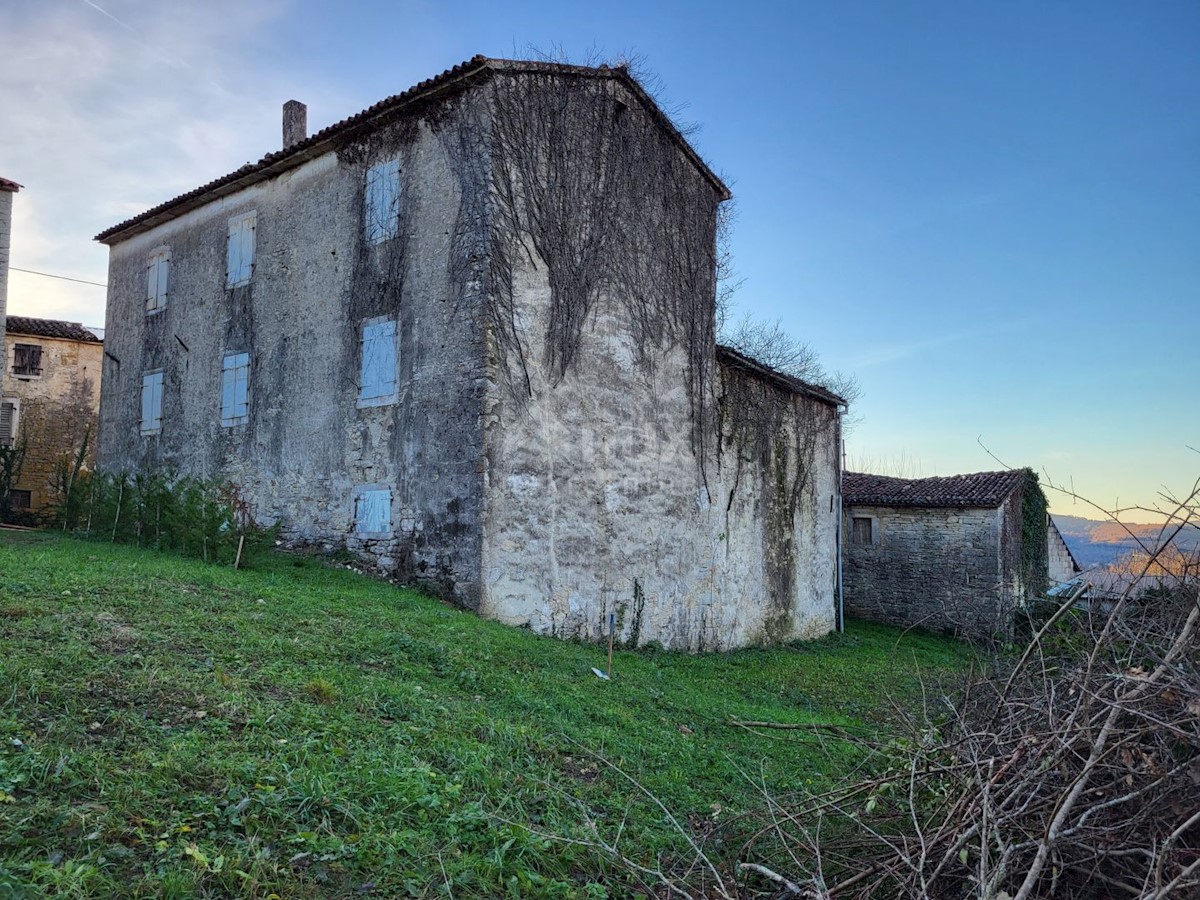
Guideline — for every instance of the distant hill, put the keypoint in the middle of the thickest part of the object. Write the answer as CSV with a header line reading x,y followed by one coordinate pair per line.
x,y
1095,542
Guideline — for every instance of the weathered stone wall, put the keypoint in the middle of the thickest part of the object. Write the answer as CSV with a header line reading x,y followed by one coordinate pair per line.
x,y
307,445
610,486
55,410
938,569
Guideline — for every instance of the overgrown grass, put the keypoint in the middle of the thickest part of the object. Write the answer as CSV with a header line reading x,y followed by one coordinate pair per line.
x,y
170,728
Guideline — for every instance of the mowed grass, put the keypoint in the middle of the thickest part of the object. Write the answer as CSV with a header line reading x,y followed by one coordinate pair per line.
x,y
171,728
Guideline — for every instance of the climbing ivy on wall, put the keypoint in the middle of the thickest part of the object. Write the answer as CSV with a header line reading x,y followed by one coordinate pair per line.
x,y
1034,528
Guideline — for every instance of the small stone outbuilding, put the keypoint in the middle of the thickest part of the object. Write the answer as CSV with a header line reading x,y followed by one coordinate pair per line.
x,y
957,554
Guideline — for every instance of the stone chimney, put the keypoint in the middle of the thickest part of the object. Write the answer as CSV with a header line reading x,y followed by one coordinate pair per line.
x,y
7,189
295,123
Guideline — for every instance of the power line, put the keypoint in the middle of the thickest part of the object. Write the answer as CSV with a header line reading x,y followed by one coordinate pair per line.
x,y
62,277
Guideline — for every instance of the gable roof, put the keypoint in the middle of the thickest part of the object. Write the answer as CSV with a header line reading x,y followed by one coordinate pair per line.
x,y
51,328
752,366
981,489
10,186
431,89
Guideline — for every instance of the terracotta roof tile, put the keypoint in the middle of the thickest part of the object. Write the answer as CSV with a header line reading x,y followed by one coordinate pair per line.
x,y
321,142
51,328
981,489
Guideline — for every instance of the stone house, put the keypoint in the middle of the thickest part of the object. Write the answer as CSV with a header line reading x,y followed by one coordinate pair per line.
x,y
958,554
51,398
469,334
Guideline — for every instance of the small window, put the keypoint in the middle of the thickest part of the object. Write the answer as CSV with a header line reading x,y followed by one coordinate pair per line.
x,y
158,276
8,422
861,530
152,402
239,259
27,360
373,511
382,205
378,373
20,499
235,390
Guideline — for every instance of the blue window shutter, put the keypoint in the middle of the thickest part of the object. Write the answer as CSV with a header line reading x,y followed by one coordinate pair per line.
x,y
381,207
373,512
152,399
378,372
235,389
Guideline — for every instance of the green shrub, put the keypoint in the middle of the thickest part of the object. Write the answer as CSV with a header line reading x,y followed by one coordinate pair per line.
x,y
195,517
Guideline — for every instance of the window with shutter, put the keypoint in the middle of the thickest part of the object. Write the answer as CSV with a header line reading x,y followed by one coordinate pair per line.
x,y
862,530
372,511
8,423
378,372
239,258
27,360
381,209
235,389
158,276
152,402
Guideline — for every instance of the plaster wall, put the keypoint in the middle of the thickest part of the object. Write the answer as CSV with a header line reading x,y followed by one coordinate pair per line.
x,y
307,445
938,569
597,504
54,409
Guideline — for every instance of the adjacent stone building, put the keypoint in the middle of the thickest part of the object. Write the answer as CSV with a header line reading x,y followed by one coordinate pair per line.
x,y
958,554
1061,566
469,334
51,400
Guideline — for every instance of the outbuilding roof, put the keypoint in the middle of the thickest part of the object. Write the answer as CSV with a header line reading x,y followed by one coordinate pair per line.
x,y
51,328
739,360
980,489
433,88
11,186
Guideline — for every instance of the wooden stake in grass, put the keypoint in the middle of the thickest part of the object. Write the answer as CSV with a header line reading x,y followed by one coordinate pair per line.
x,y
237,561
612,627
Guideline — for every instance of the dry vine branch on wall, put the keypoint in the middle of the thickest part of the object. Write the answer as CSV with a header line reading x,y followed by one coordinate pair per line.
x,y
587,183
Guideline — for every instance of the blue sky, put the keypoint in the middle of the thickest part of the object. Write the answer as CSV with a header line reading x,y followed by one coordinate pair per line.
x,y
990,213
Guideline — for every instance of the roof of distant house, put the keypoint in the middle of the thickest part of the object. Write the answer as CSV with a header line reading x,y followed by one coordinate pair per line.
x,y
431,89
10,186
981,489
740,360
51,328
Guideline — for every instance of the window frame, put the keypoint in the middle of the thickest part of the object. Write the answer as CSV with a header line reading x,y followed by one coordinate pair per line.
x,y
38,368
241,224
14,421
158,279
148,379
872,536
370,334
381,187
231,365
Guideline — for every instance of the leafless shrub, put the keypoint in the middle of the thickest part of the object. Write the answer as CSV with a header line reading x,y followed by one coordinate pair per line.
x,y
1072,771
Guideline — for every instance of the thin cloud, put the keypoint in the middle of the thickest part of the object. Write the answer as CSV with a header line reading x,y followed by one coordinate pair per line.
x,y
101,122
883,354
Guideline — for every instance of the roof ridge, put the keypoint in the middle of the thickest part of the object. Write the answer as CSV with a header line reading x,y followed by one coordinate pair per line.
x,y
278,161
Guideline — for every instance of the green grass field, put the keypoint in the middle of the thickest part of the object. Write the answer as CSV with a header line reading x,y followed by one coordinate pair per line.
x,y
171,728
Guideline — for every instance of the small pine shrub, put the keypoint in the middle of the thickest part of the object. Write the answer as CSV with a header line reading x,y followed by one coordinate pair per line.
x,y
191,516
